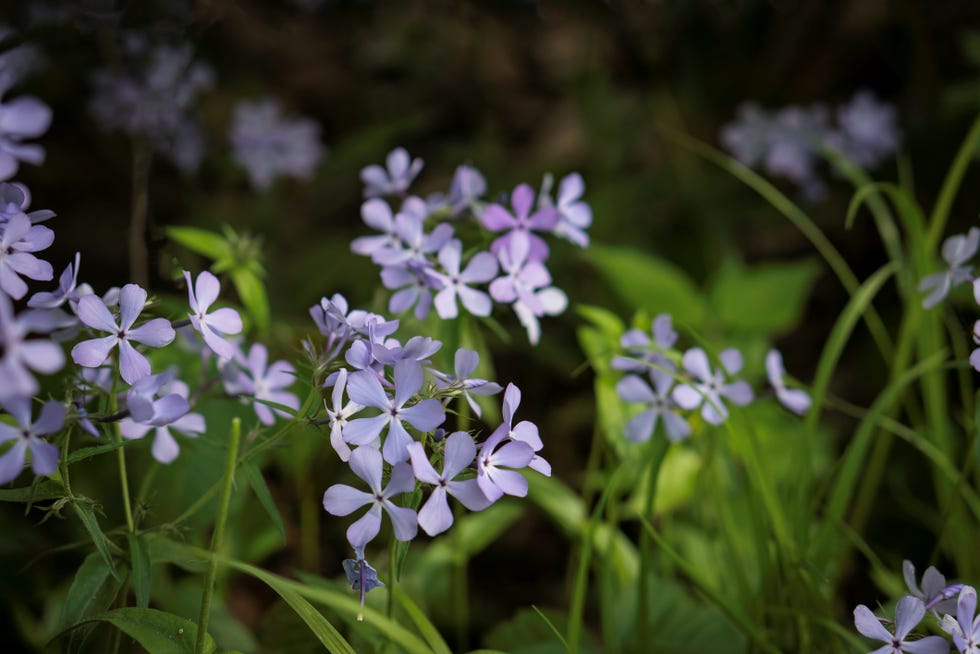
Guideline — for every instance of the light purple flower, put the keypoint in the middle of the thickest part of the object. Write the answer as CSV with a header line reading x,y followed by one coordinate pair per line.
x,y
935,593
496,218
640,427
339,414
481,268
27,436
552,302
465,362
966,631
868,129
402,169
376,214
793,399
66,289
574,215
467,187
364,388
908,614
525,285
796,133
360,574
14,201
413,243
170,411
19,238
435,516
267,145
93,312
747,137
418,348
639,349
525,431
213,326
957,250
21,355
22,118
492,463
710,386
261,381
413,286
341,499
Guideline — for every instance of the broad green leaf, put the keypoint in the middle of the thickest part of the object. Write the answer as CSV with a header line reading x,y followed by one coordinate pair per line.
x,y
767,298
92,591
644,281
87,516
606,321
251,290
676,482
158,632
255,479
139,560
209,244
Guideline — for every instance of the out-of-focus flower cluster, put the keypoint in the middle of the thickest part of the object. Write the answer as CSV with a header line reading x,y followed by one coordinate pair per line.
x,y
787,143
695,386
442,250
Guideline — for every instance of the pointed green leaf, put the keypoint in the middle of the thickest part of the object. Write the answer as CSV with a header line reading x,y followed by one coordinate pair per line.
x,y
209,244
140,563
251,290
92,591
261,490
157,631
45,490
87,516
767,298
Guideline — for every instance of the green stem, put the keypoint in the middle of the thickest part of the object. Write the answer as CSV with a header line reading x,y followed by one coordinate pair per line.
x,y
392,577
461,591
121,458
218,536
658,448
951,185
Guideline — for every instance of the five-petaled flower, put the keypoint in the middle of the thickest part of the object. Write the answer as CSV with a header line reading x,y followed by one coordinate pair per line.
x,y
435,516
213,326
27,436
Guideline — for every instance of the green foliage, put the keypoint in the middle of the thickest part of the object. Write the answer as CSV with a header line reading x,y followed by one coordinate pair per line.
x,y
91,593
768,298
157,631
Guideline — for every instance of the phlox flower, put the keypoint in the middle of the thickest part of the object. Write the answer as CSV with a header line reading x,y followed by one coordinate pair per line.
x,y
640,427
481,268
956,250
360,574
364,388
525,431
93,312
435,516
574,215
18,240
465,362
935,593
339,413
793,399
22,118
966,629
22,355
27,435
497,219
14,201
525,285
401,170
868,129
908,614
710,386
492,463
417,348
170,411
638,346
66,291
467,186
413,286
213,326
412,244
341,499
376,214
257,379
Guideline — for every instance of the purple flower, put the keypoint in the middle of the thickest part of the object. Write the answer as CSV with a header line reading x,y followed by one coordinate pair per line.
x,y
360,575
934,593
492,465
171,411
132,365
215,325
466,362
467,187
908,614
18,240
525,286
268,146
525,431
747,137
497,219
966,632
639,350
339,415
66,289
402,169
574,216
341,499
868,129
376,214
418,348
14,201
413,243
414,288
795,400
640,427
957,250
27,435
364,388
711,386
21,119
482,267
434,516
265,382
21,355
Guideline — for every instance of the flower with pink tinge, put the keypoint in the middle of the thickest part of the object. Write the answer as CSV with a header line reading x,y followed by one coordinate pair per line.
x,y
435,516
261,381
497,219
341,499
908,614
93,312
574,215
18,239
482,267
27,436
492,463
401,170
213,326
710,386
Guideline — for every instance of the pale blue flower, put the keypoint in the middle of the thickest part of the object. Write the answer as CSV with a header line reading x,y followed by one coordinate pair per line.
x,y
711,385
957,250
27,435
908,614
267,145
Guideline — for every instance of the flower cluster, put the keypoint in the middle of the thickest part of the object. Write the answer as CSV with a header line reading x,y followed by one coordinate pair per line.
x,y
671,391
787,143
941,600
423,258
21,118
387,416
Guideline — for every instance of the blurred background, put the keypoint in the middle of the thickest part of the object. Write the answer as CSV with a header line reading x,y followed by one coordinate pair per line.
x,y
515,89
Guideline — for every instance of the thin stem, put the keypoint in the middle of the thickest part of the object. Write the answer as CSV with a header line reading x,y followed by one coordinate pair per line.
x,y
121,458
392,577
219,533
139,265
461,590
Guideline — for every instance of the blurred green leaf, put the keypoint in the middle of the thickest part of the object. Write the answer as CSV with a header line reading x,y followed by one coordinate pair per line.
x,y
527,633
767,298
47,489
158,632
251,290
647,282
209,244
92,591
255,479
140,563
676,482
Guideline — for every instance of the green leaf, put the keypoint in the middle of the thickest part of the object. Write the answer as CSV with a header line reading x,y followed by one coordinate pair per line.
x,y
261,489
531,631
209,244
647,282
425,627
140,563
251,290
45,490
767,298
87,516
157,631
88,452
92,591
